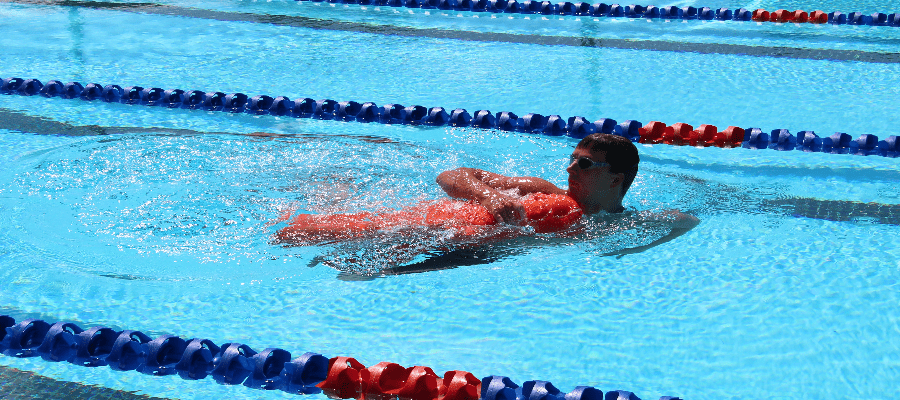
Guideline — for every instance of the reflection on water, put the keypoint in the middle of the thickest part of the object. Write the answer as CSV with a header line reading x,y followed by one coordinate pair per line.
x,y
414,249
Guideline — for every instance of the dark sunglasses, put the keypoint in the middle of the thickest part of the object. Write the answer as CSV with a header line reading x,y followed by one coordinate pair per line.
x,y
586,163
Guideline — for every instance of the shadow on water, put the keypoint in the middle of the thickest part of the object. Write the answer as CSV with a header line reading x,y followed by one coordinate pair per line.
x,y
76,28
837,210
88,4
17,121
728,198
21,122
444,260
19,384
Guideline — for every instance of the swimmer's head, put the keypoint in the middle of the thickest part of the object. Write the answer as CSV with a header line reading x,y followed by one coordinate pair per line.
x,y
620,153
601,170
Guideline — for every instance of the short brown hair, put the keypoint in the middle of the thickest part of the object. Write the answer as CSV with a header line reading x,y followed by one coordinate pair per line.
x,y
621,154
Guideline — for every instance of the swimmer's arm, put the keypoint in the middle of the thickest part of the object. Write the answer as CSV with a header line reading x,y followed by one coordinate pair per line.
x,y
484,187
475,184
680,222
523,184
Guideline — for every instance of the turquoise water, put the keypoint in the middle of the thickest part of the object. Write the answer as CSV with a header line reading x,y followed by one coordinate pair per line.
x,y
161,225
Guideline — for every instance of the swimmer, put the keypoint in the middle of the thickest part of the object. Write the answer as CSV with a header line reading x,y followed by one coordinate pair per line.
x,y
487,206
601,169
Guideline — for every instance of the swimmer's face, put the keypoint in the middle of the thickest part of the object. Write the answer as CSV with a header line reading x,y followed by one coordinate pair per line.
x,y
589,187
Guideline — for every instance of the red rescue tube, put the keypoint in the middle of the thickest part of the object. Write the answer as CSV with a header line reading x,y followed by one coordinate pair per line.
x,y
545,212
550,212
305,227
454,213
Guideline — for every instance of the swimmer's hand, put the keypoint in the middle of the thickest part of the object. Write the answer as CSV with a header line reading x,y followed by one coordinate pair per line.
x,y
678,219
505,209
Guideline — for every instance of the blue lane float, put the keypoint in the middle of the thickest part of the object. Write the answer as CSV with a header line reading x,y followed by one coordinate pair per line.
x,y
614,10
238,364
368,112
497,387
231,364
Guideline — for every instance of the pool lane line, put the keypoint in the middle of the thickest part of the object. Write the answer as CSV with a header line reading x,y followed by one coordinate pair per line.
x,y
634,11
270,369
832,210
488,37
654,132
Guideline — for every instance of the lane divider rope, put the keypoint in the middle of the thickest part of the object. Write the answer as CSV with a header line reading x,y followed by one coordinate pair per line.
x,y
655,132
270,369
636,11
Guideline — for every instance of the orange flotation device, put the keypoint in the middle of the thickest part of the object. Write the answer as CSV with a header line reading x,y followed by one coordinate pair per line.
x,y
550,212
544,212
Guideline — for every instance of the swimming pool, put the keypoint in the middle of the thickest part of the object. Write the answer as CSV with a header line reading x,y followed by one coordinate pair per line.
x,y
156,219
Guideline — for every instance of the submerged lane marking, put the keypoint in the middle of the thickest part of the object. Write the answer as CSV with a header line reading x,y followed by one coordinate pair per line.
x,y
627,44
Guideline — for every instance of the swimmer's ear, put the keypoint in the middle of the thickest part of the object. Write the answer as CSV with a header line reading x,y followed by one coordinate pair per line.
x,y
618,179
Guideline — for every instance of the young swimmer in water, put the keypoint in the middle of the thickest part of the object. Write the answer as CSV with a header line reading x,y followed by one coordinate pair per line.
x,y
601,169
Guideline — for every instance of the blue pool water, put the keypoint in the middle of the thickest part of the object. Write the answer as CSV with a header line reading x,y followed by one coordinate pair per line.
x,y
787,288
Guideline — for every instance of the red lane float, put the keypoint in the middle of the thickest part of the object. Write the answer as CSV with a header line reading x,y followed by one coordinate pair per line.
x,y
796,16
781,16
348,378
818,17
801,16
417,383
730,137
760,15
703,136
345,379
657,132
678,134
421,383
681,134
652,133
545,212
460,385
